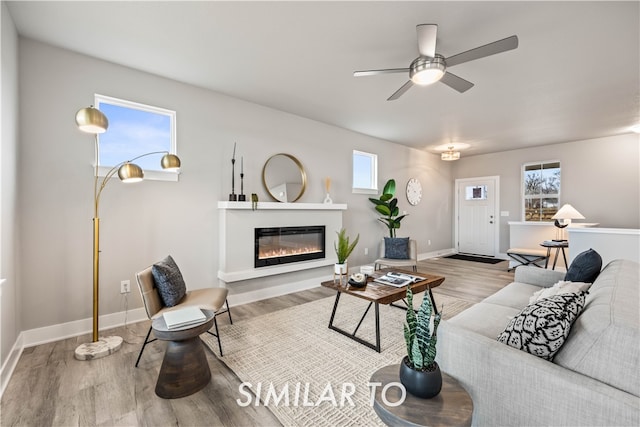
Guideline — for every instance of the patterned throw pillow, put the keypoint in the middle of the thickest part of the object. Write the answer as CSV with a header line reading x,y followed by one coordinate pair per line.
x,y
396,247
169,281
542,327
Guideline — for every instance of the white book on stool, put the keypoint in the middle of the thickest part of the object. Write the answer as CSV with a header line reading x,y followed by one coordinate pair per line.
x,y
183,317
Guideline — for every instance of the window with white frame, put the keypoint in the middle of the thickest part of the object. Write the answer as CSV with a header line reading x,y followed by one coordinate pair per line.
x,y
365,173
134,130
541,190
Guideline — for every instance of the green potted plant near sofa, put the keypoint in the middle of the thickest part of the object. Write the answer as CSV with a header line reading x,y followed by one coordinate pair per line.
x,y
419,371
387,206
343,248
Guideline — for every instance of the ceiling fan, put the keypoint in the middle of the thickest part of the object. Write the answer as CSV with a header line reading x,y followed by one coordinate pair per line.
x,y
431,67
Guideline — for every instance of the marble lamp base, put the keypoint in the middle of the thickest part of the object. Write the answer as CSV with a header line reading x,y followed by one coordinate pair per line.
x,y
101,348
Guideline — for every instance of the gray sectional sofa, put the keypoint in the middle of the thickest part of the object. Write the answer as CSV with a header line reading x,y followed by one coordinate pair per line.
x,y
594,379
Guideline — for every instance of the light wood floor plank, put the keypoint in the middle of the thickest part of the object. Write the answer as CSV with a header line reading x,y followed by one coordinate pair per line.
x,y
50,388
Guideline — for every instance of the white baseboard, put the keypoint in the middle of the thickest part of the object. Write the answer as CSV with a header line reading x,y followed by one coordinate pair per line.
x,y
10,363
275,291
62,331
436,254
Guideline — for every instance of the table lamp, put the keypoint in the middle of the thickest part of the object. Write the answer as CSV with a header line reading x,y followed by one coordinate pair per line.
x,y
566,214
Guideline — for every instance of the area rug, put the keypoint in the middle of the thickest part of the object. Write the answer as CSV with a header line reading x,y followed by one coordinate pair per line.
x,y
307,374
475,258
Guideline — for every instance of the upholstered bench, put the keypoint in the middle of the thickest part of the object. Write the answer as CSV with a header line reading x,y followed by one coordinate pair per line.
x,y
527,256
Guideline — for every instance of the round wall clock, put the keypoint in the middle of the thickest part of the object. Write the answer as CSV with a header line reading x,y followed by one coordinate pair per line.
x,y
414,191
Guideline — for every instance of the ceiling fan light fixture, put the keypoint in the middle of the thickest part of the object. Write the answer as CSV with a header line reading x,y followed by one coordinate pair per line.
x,y
426,71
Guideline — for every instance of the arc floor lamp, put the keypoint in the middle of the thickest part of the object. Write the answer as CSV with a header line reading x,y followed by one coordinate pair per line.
x,y
93,121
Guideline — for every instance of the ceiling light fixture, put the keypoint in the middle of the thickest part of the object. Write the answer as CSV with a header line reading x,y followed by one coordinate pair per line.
x,y
425,71
450,155
635,128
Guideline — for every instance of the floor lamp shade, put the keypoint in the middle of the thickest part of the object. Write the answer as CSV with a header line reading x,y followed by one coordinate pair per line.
x,y
91,120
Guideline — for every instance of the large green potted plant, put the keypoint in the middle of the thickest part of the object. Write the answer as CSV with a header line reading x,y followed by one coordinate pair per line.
x,y
387,206
419,371
343,248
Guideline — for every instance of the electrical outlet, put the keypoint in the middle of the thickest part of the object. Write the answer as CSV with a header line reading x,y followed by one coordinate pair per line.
x,y
125,286
429,242
366,251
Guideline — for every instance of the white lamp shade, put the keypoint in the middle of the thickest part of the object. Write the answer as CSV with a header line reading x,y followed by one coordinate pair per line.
x,y
567,212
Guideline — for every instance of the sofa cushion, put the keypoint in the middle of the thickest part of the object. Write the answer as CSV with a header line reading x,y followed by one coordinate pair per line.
x,y
484,318
169,281
515,295
603,343
542,327
562,287
396,247
585,267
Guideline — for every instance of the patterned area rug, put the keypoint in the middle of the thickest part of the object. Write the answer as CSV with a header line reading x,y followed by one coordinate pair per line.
x,y
308,374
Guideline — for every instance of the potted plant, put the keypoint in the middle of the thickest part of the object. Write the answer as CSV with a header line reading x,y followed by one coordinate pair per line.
x,y
387,205
343,249
419,371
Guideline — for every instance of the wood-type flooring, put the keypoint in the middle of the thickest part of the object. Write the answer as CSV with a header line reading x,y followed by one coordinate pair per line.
x,y
49,387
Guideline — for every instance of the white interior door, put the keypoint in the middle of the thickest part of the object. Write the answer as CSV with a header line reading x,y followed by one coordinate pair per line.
x,y
476,220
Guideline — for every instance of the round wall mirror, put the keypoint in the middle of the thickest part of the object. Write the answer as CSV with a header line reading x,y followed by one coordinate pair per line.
x,y
284,178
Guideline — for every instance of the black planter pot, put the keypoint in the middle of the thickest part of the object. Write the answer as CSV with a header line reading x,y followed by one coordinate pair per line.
x,y
424,384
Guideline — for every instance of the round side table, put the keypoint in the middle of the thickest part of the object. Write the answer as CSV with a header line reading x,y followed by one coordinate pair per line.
x,y
452,407
185,369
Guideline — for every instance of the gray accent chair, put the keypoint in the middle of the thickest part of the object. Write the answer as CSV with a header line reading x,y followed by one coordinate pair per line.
x,y
208,299
412,261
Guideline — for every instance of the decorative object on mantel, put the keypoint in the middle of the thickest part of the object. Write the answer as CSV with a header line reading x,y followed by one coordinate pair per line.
x,y
241,196
387,205
233,197
343,249
284,178
566,214
254,201
327,187
419,371
92,120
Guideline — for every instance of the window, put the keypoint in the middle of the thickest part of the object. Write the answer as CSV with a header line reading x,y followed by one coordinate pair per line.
x,y
541,190
136,129
365,172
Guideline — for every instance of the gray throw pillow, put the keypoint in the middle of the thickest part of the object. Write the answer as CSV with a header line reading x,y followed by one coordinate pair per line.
x,y
585,267
169,281
396,247
542,327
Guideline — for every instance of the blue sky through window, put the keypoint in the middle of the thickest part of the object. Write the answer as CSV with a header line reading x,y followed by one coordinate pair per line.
x,y
134,132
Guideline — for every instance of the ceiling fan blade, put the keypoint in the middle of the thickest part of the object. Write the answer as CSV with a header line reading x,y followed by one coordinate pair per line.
x,y
376,72
455,82
427,39
397,94
480,52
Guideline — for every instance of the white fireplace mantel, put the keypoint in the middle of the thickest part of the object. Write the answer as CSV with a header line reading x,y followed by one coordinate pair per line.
x,y
238,221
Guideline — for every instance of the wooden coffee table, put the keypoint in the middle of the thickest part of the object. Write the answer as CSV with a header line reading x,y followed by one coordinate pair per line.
x,y
451,407
376,294
185,369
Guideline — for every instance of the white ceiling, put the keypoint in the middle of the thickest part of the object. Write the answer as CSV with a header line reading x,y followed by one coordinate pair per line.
x,y
575,74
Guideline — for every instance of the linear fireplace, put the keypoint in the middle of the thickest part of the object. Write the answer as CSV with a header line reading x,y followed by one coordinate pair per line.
x,y
282,245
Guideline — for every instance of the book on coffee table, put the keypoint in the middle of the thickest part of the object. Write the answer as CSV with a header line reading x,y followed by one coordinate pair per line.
x,y
183,317
398,279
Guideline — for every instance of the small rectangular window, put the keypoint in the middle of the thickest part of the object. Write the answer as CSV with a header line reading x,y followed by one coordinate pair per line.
x,y
365,172
541,190
135,130
476,192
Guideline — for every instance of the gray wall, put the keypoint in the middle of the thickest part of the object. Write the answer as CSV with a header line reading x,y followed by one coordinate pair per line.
x,y
9,321
144,222
600,178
